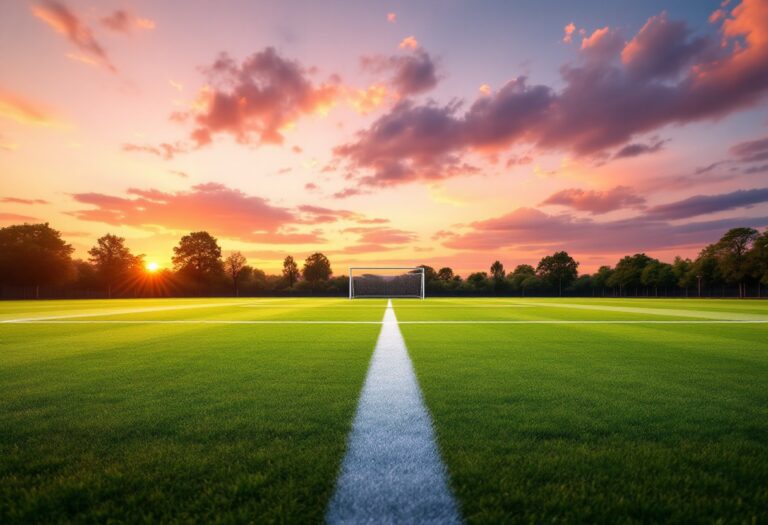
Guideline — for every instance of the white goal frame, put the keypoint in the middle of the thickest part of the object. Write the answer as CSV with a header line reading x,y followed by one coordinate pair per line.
x,y
418,269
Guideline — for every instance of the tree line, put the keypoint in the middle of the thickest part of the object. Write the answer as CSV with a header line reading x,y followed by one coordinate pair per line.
x,y
35,261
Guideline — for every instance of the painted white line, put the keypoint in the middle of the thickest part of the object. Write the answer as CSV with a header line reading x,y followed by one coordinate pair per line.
x,y
392,472
329,322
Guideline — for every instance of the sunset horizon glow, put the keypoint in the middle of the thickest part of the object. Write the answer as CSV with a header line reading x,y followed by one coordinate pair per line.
x,y
387,133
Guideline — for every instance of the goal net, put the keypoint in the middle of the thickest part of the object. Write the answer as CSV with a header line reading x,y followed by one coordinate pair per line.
x,y
386,282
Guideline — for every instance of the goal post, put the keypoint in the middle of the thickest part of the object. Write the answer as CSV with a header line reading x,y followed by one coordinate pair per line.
x,y
386,282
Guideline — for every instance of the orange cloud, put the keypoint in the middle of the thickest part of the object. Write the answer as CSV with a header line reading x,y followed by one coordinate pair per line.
x,y
122,21
568,33
391,18
24,111
367,100
409,42
63,21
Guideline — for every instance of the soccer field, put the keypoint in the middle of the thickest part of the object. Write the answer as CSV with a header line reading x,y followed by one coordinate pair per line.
x,y
240,410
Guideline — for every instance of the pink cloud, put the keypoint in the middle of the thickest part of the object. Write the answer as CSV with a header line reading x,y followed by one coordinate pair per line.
x,y
59,17
568,33
411,73
18,200
256,100
15,217
122,21
164,150
597,202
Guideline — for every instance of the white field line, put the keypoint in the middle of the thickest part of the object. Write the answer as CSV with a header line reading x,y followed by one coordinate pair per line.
x,y
671,312
330,322
392,472
118,312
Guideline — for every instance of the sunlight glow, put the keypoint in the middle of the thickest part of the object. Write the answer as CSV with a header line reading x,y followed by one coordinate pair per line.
x,y
152,267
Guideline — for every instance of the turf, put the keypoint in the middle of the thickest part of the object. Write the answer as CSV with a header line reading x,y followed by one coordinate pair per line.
x,y
174,423
599,423
121,418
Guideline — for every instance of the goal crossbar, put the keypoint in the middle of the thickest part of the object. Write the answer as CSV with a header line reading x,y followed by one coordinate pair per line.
x,y
409,283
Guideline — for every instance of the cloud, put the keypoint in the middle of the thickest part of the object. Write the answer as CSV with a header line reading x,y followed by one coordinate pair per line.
x,y
182,174
391,18
751,151
535,230
256,100
568,33
597,202
223,211
122,21
409,42
164,150
14,217
411,73
365,101
17,200
615,91
705,204
25,111
381,235
59,17
636,149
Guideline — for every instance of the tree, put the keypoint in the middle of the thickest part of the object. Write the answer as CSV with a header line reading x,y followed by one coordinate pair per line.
x,y
522,273
113,260
657,275
497,271
445,274
759,256
198,256
478,281
684,273
558,268
429,273
707,269
601,278
317,267
234,265
33,255
732,250
628,272
290,271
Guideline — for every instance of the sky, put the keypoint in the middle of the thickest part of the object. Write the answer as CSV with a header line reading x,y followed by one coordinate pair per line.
x,y
449,133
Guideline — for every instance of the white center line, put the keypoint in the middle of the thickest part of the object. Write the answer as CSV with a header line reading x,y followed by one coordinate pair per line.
x,y
392,472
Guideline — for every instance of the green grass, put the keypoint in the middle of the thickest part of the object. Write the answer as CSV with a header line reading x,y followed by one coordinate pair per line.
x,y
232,423
599,423
174,423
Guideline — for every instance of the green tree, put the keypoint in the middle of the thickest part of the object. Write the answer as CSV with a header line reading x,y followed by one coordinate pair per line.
x,y
317,268
684,273
558,269
33,255
732,254
429,273
497,271
628,272
601,278
234,265
198,256
759,256
519,276
706,269
113,260
444,274
478,281
290,271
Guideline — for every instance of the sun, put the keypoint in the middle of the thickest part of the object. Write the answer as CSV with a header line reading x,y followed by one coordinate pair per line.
x,y
152,267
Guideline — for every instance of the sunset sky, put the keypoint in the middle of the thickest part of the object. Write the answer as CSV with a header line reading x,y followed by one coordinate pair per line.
x,y
448,133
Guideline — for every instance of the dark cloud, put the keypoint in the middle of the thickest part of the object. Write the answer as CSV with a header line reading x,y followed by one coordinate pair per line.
x,y
751,150
597,202
613,93
412,73
635,149
704,204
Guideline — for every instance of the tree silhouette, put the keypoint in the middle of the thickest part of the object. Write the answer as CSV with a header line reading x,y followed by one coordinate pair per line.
x,y
558,268
317,267
113,260
234,265
445,274
197,256
290,271
732,249
33,255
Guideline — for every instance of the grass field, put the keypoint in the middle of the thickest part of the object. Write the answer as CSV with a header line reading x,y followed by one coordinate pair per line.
x,y
546,410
